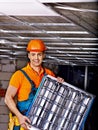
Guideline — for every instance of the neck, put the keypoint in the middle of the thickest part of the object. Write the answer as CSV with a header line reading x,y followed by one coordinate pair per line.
x,y
36,68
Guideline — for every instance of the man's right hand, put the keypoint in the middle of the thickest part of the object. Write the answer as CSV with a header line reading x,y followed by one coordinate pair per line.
x,y
24,121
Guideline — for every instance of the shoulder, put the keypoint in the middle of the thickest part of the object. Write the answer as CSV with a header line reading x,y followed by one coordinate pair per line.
x,y
49,72
18,74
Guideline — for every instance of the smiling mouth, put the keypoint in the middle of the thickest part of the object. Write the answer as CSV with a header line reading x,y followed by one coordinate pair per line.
x,y
36,61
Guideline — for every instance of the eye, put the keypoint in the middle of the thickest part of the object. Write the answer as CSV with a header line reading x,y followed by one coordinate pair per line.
x,y
32,54
40,54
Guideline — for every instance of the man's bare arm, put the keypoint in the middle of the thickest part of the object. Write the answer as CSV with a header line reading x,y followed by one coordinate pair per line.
x,y
10,102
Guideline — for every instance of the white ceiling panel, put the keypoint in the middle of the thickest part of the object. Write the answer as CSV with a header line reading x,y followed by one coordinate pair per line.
x,y
28,8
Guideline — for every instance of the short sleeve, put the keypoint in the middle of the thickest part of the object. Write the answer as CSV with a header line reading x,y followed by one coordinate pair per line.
x,y
16,79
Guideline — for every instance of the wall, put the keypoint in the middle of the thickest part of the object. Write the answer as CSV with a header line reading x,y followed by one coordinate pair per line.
x,y
7,67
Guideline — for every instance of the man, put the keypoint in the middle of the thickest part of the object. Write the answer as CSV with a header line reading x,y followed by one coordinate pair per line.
x,y
21,86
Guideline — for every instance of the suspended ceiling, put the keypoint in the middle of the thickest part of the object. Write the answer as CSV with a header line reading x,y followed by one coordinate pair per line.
x,y
69,29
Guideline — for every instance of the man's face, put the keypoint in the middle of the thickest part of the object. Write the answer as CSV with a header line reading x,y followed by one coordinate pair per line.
x,y
36,58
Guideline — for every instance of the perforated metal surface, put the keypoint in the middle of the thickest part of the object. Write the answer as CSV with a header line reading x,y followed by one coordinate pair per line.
x,y
59,106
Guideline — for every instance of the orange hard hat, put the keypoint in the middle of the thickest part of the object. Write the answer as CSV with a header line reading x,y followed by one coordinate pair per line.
x,y
36,45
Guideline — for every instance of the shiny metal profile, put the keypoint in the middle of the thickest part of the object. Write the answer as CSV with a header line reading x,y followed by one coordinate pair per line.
x,y
59,106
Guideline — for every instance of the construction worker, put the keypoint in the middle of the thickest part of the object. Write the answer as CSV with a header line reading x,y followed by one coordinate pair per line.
x,y
24,84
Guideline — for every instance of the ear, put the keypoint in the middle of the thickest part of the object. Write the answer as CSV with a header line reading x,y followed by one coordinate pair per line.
x,y
44,55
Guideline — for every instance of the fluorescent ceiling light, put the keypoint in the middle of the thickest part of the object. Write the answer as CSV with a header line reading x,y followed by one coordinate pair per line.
x,y
30,8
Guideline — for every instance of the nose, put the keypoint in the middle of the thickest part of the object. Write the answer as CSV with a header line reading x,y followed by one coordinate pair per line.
x,y
36,56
